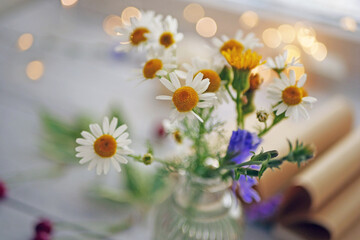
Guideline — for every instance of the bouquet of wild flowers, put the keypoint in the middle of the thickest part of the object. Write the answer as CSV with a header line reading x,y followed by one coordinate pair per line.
x,y
196,90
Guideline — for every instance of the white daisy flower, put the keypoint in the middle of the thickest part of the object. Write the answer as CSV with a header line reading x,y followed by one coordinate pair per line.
x,y
211,70
135,35
105,146
186,98
289,96
279,64
159,63
239,41
167,36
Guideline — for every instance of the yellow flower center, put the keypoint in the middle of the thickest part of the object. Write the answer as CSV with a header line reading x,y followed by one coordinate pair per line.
x,y
151,67
138,35
166,39
230,44
242,60
304,92
185,99
292,95
105,146
214,78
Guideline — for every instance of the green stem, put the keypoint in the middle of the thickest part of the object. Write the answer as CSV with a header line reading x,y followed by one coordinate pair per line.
x,y
229,92
240,116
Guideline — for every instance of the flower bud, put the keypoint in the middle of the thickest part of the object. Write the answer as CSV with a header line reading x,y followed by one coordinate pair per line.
x,y
177,136
262,115
147,158
255,81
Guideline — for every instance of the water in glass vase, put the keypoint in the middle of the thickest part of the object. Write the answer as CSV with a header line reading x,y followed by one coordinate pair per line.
x,y
201,209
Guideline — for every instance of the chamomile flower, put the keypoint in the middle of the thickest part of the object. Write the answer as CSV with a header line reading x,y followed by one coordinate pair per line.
x,y
159,63
135,35
105,146
166,36
289,96
186,98
239,41
211,70
279,63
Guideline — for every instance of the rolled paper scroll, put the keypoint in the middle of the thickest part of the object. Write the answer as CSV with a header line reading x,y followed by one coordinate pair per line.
x,y
324,199
330,122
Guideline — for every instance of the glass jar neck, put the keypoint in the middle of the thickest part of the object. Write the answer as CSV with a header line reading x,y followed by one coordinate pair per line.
x,y
203,197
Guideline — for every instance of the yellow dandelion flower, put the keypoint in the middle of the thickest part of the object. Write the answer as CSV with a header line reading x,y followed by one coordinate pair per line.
x,y
242,60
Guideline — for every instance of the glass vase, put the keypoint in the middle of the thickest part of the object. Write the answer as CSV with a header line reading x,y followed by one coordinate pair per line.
x,y
201,209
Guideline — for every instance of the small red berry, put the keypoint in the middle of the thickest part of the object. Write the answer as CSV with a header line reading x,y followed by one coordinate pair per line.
x,y
3,190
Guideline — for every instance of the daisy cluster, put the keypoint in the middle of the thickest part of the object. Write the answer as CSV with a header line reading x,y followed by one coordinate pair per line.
x,y
196,90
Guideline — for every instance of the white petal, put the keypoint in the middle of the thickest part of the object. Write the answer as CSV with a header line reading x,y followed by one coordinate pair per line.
x,y
168,84
85,159
92,164
189,78
119,131
217,42
106,166
99,167
82,141
116,165
161,73
106,125
175,81
180,74
303,112
292,77
197,116
309,99
281,108
207,96
121,159
84,149
88,136
204,104
113,125
96,130
163,97
302,80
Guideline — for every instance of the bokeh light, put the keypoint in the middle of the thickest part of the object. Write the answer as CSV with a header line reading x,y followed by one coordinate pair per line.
x,y
193,12
25,41
287,33
306,36
319,52
128,13
249,19
293,51
272,37
68,3
348,23
110,23
206,27
35,70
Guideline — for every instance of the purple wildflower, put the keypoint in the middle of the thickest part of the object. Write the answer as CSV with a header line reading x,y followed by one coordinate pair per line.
x,y
241,144
264,210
